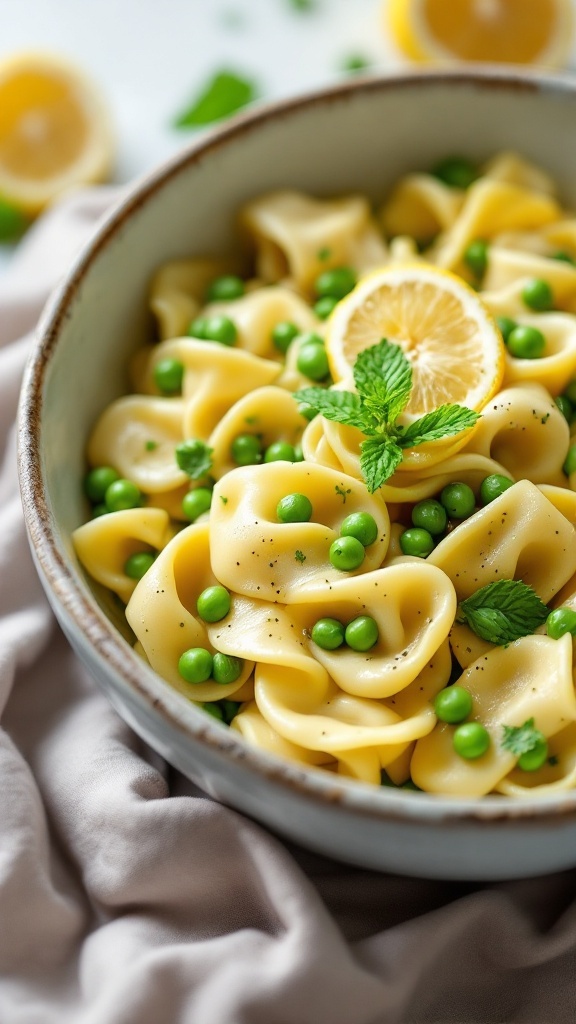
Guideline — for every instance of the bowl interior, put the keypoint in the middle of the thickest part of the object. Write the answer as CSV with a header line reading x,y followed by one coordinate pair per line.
x,y
358,138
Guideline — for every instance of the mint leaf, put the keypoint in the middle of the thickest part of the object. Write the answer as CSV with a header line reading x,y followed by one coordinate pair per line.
x,y
521,739
379,459
382,372
503,611
445,421
194,457
223,95
338,406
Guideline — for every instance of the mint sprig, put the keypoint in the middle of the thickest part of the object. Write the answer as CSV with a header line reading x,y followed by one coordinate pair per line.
x,y
383,379
503,611
521,739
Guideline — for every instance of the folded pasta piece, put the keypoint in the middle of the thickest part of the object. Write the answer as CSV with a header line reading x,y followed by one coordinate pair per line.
x,y
413,605
137,435
345,442
178,291
513,169
252,725
490,207
257,313
215,376
420,205
297,236
509,270
522,429
162,612
104,545
557,366
520,535
335,444
531,678
253,553
271,413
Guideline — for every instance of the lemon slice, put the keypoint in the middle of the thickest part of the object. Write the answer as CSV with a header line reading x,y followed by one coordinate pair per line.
x,y
446,331
508,31
55,130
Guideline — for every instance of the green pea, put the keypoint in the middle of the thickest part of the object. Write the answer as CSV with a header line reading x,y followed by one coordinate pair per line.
x,y
168,376
122,494
570,461
561,621
137,565
212,707
246,450
230,708
229,286
416,542
505,325
453,704
361,633
458,500
294,508
226,668
361,525
298,453
430,515
564,257
195,665
476,257
565,406
99,510
280,451
526,342
471,740
283,335
195,502
221,329
533,759
213,603
328,634
346,554
335,283
324,306
537,294
570,392
312,360
456,171
97,482
307,411
197,328
493,486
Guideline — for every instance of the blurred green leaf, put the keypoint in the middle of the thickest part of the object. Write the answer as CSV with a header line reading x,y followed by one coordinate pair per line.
x,y
224,94
13,222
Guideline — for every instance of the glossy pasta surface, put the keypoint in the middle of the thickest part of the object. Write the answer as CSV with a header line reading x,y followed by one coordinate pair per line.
x,y
368,710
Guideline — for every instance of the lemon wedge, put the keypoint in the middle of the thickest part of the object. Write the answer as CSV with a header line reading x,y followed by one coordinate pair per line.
x,y
445,330
55,130
537,32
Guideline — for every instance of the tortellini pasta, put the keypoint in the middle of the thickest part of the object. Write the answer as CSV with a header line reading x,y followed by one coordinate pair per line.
x,y
261,576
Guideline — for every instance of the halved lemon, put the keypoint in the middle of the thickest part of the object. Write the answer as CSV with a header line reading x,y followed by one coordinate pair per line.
x,y
505,31
55,130
446,331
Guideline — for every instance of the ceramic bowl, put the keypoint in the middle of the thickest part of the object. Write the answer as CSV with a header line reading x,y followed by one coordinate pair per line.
x,y
359,136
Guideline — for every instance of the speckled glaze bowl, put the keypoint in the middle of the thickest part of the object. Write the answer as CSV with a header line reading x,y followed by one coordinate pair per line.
x,y
359,136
